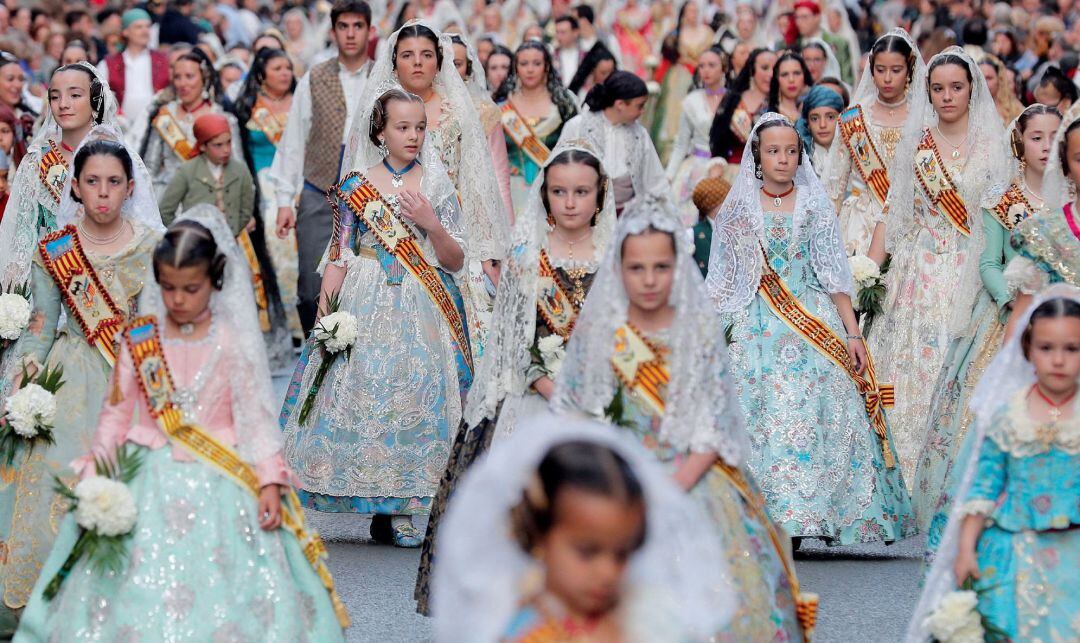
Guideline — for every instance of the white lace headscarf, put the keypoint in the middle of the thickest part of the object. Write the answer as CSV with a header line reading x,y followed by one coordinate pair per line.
x,y
1058,188
832,64
236,321
482,205
702,412
866,92
735,261
987,178
1008,373
477,80
847,32
506,355
19,234
679,576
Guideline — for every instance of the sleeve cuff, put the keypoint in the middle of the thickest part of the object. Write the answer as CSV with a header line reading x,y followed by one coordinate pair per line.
x,y
273,470
977,507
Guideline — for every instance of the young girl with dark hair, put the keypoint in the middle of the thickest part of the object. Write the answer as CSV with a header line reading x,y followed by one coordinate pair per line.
x,y
790,80
745,101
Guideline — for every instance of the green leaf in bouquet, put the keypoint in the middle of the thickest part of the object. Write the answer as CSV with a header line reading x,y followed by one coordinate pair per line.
x,y
50,379
124,465
333,303
22,290
615,411
729,334
61,488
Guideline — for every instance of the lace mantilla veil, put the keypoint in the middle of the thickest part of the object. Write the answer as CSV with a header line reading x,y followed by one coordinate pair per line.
x,y
483,573
486,224
18,231
236,325
866,92
702,405
1008,373
735,261
1058,188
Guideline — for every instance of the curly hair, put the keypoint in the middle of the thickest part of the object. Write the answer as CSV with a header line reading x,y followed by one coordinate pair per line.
x,y
560,96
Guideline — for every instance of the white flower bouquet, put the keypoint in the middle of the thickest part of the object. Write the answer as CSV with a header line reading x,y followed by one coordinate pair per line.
x,y
869,287
29,414
334,333
550,351
15,314
957,619
105,511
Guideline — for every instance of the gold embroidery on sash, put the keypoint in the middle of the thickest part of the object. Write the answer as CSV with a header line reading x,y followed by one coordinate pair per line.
x,y
173,136
262,303
938,185
1013,207
640,366
52,170
553,303
267,121
518,129
864,154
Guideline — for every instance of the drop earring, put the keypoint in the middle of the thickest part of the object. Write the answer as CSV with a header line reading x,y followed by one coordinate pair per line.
x,y
383,149
757,172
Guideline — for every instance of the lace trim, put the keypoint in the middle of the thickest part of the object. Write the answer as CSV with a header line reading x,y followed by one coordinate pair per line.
x,y
977,508
1021,436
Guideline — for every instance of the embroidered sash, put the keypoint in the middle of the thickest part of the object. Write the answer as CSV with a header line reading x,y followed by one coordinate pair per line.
x,y
86,297
395,237
1013,207
173,136
518,129
553,303
938,186
640,366
155,382
864,154
742,123
877,397
267,121
261,301
52,170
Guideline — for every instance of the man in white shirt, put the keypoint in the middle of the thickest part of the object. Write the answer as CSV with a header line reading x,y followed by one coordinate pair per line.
x,y
305,164
568,53
137,73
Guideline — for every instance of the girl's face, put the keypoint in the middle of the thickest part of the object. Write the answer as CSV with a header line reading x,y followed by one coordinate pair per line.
x,y
417,64
406,125
604,68
483,50
187,81
461,60
1038,137
822,122
7,138
69,99
12,81
738,56
628,111
950,92
1054,351
815,61
763,71
497,70
1047,94
890,73
573,194
294,27
1002,46
103,186
72,55
710,69
586,551
1072,155
991,76
648,270
690,15
792,80
185,291
531,70
279,75
779,148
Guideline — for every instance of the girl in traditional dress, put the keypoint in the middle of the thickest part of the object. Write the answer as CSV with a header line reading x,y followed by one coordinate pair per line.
x,y
820,60
560,238
648,352
13,94
512,570
163,135
690,151
534,107
612,126
1013,530
825,464
934,234
790,79
817,124
997,80
378,433
859,168
95,261
1030,137
681,51
745,101
632,23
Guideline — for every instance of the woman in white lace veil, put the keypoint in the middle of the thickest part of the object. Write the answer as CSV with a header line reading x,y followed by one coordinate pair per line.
x,y
676,587
1003,422
31,208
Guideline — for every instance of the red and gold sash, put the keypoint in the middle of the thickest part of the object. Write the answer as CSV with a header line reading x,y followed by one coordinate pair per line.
x,y
876,396
52,170
262,303
87,299
394,236
640,366
155,382
267,121
1013,207
554,304
518,129
938,186
864,154
173,136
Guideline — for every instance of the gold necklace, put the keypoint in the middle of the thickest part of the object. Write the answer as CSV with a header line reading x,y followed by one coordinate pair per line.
x,y
575,274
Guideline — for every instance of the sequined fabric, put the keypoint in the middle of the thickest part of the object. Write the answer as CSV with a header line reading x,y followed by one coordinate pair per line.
x,y
1051,244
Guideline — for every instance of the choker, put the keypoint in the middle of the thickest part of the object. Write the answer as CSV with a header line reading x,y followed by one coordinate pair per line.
x,y
395,175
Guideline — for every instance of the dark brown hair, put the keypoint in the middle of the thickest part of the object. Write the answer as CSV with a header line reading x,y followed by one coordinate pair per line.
x,y
186,244
1016,143
566,157
379,111
1050,309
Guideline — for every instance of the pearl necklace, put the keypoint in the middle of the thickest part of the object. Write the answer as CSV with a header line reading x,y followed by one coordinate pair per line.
x,y
892,107
102,241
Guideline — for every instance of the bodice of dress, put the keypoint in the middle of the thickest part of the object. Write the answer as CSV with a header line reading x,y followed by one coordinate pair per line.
x,y
261,148
699,115
1052,243
642,421
845,178
790,256
693,43
942,236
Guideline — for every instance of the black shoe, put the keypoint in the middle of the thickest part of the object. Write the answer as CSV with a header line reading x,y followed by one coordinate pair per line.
x,y
380,531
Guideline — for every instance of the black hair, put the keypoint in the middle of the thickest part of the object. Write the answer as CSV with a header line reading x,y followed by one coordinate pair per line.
x,y
669,46
950,59
245,103
893,44
211,85
570,19
832,80
774,84
620,85
186,244
974,33
585,12
721,139
1063,147
73,16
1016,143
560,96
1055,308
418,31
566,157
102,147
379,111
598,54
342,7
1061,83
755,145
580,465
457,39
97,90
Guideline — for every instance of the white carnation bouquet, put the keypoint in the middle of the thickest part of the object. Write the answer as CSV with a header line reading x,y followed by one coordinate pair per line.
x,y
550,352
29,414
869,287
957,619
15,314
105,511
333,334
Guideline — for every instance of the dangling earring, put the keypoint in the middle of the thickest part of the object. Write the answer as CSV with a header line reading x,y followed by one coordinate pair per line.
x,y
1023,165
383,149
757,172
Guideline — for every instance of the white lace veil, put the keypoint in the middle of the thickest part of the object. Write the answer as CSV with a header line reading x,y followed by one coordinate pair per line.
x,y
736,257
477,80
866,92
483,573
702,405
236,319
847,32
1008,373
506,355
832,64
1058,188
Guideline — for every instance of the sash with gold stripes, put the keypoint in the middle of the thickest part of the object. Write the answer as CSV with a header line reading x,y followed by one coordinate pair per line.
x,y
395,237
554,304
518,129
267,121
640,366
155,382
262,303
938,186
86,297
1013,207
877,396
863,152
173,136
52,170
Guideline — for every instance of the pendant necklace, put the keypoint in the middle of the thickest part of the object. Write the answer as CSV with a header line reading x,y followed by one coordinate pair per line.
x,y
396,175
956,148
1055,407
575,273
778,199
